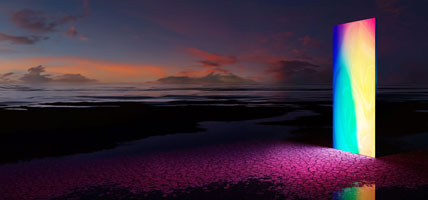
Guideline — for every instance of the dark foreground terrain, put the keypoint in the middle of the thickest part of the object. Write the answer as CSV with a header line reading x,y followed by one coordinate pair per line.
x,y
299,165
68,128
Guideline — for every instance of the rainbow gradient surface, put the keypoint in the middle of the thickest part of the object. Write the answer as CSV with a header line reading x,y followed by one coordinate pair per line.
x,y
365,192
354,87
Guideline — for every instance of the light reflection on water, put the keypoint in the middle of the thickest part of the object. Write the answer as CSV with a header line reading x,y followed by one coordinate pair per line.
x,y
364,192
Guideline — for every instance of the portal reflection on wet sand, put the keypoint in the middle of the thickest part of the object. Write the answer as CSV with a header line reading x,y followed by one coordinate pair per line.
x,y
365,192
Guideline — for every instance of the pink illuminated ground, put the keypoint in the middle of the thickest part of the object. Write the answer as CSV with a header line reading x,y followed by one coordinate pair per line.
x,y
299,170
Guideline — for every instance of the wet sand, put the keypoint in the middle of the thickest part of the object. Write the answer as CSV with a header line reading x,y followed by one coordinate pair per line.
x,y
288,170
300,165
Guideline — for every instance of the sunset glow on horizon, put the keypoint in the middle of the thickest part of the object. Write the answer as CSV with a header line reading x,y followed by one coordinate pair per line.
x,y
100,70
144,41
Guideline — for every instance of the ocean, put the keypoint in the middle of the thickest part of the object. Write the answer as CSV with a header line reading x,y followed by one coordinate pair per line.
x,y
21,94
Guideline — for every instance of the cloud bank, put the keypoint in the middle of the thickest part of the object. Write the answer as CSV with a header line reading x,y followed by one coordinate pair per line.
x,y
38,21
212,59
42,23
73,78
298,72
38,75
35,74
6,77
21,39
208,79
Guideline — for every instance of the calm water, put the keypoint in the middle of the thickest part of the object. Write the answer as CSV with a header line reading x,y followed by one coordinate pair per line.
x,y
36,94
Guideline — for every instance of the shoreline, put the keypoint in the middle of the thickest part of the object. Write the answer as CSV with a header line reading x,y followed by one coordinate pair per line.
x,y
60,129
38,132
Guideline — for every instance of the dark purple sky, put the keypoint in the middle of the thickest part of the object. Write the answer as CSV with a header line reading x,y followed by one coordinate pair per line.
x,y
267,41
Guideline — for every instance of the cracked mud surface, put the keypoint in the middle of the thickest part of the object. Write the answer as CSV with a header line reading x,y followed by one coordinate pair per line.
x,y
265,170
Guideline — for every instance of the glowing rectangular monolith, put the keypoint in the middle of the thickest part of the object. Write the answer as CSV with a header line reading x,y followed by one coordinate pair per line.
x,y
354,87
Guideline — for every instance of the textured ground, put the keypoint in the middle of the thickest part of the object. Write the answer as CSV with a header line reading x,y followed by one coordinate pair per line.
x,y
272,169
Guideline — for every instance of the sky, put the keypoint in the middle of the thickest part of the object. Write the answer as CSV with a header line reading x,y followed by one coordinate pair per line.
x,y
137,41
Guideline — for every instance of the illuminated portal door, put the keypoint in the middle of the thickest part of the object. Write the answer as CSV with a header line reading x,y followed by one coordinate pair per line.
x,y
354,87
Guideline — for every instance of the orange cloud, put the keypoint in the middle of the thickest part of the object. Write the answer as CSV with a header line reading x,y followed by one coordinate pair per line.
x,y
212,59
71,31
83,38
311,42
101,70
200,73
